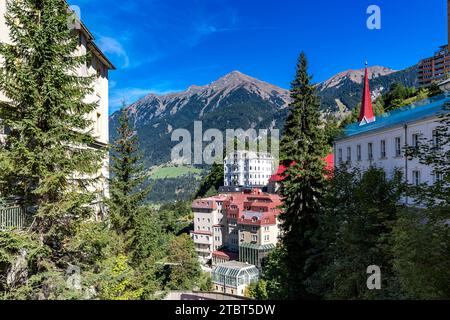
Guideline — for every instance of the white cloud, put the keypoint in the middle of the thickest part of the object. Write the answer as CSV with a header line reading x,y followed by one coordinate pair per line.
x,y
112,46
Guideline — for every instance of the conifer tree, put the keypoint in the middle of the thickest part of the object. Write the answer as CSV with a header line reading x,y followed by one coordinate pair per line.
x,y
127,183
304,141
51,163
211,183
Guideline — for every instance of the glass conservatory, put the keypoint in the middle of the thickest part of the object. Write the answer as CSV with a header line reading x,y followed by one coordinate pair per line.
x,y
234,274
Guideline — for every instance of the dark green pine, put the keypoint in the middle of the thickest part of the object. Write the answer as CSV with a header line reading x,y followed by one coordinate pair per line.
x,y
48,155
127,188
304,141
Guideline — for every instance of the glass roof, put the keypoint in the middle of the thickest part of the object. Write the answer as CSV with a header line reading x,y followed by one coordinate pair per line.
x,y
258,247
420,110
235,268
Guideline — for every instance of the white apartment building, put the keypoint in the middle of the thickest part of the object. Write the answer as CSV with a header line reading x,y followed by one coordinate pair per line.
x,y
99,66
248,168
381,141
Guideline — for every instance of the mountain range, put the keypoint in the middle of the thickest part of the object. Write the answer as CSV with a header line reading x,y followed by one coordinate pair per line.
x,y
237,101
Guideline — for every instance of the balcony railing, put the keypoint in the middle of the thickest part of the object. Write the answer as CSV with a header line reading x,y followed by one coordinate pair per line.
x,y
13,217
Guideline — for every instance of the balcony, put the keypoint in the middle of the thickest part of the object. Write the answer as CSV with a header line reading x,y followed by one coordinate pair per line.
x,y
13,217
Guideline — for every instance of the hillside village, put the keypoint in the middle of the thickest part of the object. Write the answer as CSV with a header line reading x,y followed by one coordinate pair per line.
x,y
356,186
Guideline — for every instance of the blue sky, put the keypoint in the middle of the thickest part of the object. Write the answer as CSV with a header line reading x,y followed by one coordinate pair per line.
x,y
162,46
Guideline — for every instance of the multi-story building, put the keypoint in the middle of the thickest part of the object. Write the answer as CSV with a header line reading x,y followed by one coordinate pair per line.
x,y
99,66
381,141
248,168
240,225
209,226
436,68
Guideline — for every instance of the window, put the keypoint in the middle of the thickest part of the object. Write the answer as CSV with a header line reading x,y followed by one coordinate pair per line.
x,y
358,152
438,177
266,238
370,151
254,237
416,177
98,122
436,139
383,149
415,140
266,228
340,155
349,154
398,147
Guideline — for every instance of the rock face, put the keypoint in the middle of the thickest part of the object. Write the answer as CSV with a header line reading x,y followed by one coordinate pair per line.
x,y
231,102
18,272
356,76
210,97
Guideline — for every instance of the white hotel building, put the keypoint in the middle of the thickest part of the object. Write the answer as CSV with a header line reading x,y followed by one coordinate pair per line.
x,y
248,168
380,141
99,66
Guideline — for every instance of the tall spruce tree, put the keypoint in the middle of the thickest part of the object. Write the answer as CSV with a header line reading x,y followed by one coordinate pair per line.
x,y
51,163
304,141
127,183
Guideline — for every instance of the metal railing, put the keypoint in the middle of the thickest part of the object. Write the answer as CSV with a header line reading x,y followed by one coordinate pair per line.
x,y
13,217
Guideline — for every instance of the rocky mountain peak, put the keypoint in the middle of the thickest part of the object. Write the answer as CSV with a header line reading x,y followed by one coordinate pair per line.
x,y
356,76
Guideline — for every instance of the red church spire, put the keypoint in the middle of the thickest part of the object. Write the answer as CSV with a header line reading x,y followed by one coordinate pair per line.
x,y
366,114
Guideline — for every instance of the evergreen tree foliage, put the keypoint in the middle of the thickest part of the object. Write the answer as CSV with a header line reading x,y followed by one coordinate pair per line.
x,y
182,270
304,141
274,274
211,183
128,192
49,158
355,231
421,250
52,165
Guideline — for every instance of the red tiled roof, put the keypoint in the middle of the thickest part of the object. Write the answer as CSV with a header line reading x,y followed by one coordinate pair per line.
x,y
208,233
236,204
225,254
279,175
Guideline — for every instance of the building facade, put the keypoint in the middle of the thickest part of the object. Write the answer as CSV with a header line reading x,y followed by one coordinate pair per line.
x,y
248,168
435,68
382,142
209,226
225,224
99,66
